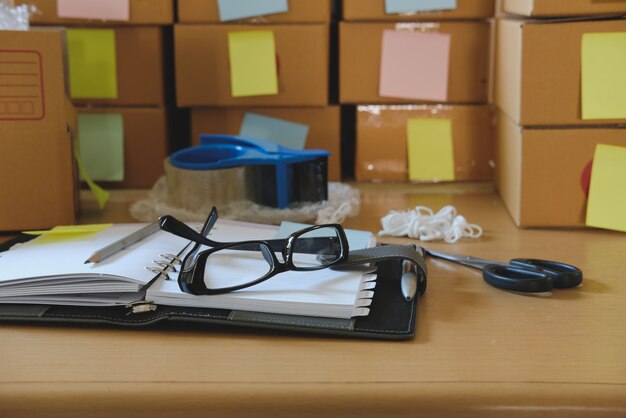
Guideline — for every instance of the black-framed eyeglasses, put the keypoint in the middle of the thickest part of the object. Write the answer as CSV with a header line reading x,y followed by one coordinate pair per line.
x,y
226,267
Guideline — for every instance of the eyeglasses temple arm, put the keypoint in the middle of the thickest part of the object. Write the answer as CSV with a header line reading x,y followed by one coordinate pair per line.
x,y
172,225
313,245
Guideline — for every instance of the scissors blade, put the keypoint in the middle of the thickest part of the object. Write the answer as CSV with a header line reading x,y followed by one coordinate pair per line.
x,y
466,260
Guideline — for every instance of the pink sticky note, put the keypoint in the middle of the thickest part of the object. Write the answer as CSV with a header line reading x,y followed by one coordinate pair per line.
x,y
94,9
415,65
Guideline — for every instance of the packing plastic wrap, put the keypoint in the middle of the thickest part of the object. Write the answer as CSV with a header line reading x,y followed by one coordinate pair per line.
x,y
15,17
343,201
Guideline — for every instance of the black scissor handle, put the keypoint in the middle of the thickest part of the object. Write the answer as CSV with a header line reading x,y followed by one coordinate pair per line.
x,y
563,275
517,279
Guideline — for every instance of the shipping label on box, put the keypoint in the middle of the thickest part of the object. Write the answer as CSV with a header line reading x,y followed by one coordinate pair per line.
x,y
414,62
295,127
21,85
244,65
38,184
417,10
424,143
562,72
543,174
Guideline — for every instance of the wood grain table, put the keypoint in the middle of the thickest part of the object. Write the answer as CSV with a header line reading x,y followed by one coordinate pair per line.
x,y
479,351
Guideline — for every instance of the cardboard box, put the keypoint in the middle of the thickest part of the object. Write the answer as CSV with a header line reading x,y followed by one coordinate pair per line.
x,y
362,10
300,11
142,12
381,143
145,140
563,7
324,127
141,69
360,60
538,70
203,70
38,183
539,171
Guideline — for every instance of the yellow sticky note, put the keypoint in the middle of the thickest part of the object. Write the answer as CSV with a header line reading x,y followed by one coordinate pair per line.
x,y
430,149
67,232
253,69
101,195
92,58
71,229
604,75
606,207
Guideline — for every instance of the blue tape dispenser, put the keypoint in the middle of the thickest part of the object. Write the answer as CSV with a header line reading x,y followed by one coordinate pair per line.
x,y
275,175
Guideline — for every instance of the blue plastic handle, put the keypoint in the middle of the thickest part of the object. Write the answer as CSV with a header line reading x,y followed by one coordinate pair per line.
x,y
227,151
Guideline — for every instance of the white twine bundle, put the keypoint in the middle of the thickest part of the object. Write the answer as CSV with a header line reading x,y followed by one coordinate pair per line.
x,y
423,224
343,201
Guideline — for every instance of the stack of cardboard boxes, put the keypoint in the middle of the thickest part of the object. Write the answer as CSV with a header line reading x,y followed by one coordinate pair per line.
x,y
212,49
120,82
558,97
420,81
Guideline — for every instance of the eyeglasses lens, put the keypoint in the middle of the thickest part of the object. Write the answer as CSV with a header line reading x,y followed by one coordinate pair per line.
x,y
237,265
316,248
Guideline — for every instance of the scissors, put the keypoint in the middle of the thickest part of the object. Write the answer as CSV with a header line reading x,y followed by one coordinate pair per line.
x,y
529,275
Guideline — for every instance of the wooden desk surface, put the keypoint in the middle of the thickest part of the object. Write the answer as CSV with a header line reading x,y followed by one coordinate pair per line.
x,y
479,351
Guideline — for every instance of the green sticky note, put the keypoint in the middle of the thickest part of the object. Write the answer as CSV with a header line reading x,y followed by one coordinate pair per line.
x,y
606,207
101,145
430,149
253,69
92,59
604,75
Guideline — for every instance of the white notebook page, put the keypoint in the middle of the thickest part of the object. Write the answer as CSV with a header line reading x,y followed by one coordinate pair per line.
x,y
37,268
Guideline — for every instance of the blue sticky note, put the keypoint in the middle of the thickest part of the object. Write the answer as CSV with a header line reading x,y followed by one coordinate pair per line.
x,y
407,6
243,9
279,131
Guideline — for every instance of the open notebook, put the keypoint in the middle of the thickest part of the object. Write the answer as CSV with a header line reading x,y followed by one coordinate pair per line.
x,y
40,272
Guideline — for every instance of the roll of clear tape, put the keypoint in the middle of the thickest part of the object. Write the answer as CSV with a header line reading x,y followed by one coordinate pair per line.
x,y
194,189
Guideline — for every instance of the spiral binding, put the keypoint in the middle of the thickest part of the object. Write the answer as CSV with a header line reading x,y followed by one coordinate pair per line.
x,y
166,265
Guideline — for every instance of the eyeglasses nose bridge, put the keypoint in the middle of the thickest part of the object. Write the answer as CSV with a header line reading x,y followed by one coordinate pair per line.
x,y
287,249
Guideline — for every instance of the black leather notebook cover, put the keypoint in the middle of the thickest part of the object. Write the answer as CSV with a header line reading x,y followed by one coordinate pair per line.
x,y
390,317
